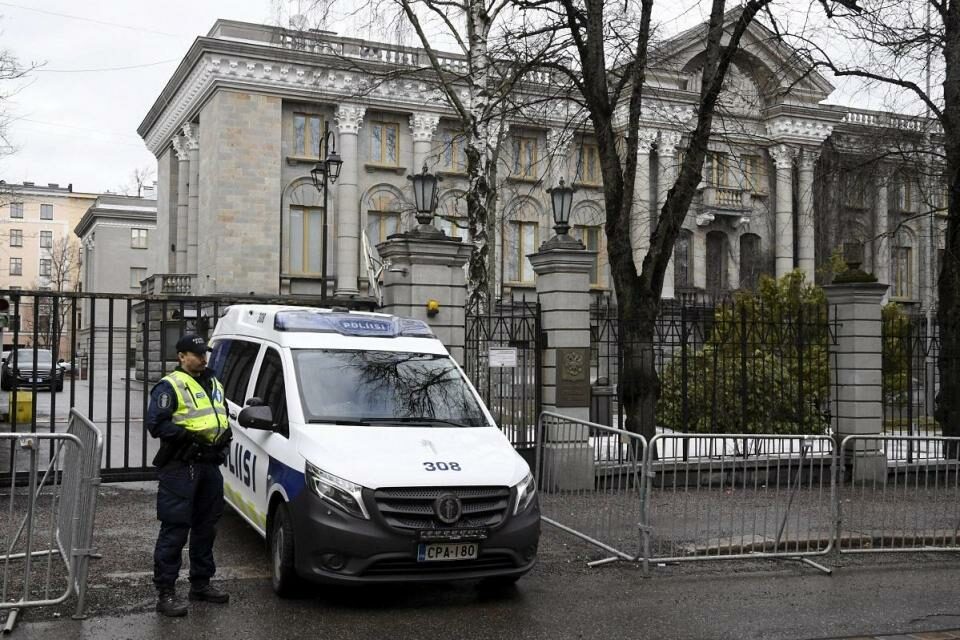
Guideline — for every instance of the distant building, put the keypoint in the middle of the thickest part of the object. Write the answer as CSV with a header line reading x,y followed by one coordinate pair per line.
x,y
39,250
115,235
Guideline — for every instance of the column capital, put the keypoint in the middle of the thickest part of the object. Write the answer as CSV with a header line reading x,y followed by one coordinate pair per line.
x,y
423,125
191,137
668,142
782,155
645,140
180,148
349,118
559,140
807,158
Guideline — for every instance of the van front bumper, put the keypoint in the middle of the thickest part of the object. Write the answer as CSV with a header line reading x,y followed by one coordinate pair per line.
x,y
334,547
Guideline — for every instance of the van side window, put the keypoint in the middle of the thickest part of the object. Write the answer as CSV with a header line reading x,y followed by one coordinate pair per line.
x,y
270,387
232,363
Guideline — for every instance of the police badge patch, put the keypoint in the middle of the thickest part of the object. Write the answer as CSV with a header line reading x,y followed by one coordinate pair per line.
x,y
164,401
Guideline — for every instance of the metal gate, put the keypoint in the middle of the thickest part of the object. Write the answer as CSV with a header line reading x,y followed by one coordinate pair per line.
x,y
502,357
105,351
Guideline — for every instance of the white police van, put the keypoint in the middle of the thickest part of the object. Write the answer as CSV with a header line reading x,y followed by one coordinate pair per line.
x,y
363,454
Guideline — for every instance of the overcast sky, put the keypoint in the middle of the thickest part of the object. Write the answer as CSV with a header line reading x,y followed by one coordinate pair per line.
x,y
104,63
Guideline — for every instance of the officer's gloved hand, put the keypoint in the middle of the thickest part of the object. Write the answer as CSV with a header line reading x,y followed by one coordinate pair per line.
x,y
223,440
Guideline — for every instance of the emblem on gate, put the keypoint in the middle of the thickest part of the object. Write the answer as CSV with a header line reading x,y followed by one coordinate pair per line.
x,y
448,508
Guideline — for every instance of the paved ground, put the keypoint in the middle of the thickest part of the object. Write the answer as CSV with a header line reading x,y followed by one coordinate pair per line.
x,y
561,598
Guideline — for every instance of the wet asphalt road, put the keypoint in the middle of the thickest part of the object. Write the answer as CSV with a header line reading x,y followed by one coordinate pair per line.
x,y
561,598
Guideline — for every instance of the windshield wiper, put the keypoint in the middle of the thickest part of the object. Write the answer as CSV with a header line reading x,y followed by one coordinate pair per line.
x,y
420,420
340,421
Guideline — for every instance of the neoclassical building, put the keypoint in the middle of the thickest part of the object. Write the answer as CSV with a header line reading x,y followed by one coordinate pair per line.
x,y
788,179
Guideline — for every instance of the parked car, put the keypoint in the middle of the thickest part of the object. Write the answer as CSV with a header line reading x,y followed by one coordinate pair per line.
x,y
19,369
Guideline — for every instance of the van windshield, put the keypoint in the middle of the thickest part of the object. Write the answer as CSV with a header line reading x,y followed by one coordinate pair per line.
x,y
384,387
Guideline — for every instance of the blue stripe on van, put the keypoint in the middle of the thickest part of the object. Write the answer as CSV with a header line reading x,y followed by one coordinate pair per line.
x,y
290,479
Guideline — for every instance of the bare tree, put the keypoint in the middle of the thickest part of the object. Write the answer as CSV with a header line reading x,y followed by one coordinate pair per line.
x,y
139,178
64,275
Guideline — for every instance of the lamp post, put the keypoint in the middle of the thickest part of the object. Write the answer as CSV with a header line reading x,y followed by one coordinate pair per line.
x,y
323,174
426,191
561,199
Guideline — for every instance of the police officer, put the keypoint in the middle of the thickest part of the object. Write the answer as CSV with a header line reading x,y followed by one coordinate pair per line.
x,y
187,413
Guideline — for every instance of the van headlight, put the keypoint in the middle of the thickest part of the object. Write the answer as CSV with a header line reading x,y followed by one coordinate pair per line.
x,y
341,493
526,492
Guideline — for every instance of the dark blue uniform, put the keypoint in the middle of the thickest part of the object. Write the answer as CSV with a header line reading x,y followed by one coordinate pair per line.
x,y
189,495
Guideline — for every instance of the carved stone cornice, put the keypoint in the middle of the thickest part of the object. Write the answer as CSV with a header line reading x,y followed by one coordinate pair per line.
x,y
646,138
349,118
191,139
807,158
559,141
799,130
423,126
782,155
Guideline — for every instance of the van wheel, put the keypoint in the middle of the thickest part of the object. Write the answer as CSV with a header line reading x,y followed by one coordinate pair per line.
x,y
284,576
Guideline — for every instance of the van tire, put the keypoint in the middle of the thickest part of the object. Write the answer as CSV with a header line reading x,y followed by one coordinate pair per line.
x,y
283,574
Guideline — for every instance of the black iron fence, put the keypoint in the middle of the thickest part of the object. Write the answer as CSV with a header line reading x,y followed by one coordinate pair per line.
x,y
911,377
738,364
101,354
502,357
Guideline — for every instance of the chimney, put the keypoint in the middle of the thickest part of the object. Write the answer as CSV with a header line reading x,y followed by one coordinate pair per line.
x,y
27,184
53,185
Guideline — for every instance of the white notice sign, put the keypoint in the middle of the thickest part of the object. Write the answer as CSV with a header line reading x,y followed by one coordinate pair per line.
x,y
502,357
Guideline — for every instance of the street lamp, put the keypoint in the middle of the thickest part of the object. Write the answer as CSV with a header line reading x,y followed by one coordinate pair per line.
x,y
426,191
323,174
561,199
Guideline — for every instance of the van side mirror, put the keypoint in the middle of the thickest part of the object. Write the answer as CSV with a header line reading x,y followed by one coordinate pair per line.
x,y
257,417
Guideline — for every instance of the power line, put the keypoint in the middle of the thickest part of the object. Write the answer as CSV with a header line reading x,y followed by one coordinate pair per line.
x,y
100,22
134,66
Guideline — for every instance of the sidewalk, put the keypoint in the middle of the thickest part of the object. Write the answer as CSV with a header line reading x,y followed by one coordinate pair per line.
x,y
928,635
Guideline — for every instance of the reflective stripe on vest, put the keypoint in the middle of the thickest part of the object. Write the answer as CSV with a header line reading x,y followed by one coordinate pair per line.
x,y
197,412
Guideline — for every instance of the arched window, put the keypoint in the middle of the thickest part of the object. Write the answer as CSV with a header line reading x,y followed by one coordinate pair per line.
x,y
451,217
302,234
902,269
716,261
521,237
587,222
383,206
750,260
683,260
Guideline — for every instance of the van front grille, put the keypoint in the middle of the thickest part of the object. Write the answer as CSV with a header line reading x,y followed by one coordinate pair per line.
x,y
412,508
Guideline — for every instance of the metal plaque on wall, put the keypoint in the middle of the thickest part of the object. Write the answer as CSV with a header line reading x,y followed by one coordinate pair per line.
x,y
573,377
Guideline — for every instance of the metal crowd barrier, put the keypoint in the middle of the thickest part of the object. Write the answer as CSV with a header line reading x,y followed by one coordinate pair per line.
x,y
46,531
730,496
901,493
591,484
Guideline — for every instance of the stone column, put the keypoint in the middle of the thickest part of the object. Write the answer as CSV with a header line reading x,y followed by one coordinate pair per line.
x,y
881,252
667,175
643,208
192,140
806,248
698,257
856,351
423,269
783,159
563,267
183,204
349,119
422,128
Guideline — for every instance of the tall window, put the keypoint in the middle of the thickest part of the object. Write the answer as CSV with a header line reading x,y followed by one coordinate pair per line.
x,y
46,267
454,156
305,246
381,225
519,240
524,157
137,275
384,143
716,261
16,209
307,128
902,272
46,212
16,266
853,191
754,173
16,237
718,169
683,260
138,238
750,260
590,237
46,239
902,193
588,164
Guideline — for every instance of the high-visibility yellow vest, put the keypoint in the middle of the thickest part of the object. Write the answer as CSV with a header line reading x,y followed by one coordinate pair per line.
x,y
197,411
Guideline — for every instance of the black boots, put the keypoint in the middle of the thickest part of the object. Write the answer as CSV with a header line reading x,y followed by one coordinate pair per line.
x,y
169,605
209,593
